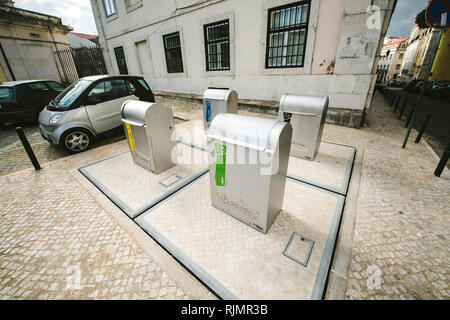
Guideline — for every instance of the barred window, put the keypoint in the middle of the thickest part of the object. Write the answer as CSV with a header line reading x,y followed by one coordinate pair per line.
x,y
172,48
121,62
110,7
217,45
286,35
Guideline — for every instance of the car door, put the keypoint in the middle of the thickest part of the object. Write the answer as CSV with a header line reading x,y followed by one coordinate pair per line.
x,y
34,96
104,102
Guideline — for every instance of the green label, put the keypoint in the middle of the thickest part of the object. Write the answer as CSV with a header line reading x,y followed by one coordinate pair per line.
x,y
221,152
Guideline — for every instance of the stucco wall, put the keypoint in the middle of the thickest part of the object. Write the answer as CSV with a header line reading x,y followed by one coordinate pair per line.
x,y
337,33
29,48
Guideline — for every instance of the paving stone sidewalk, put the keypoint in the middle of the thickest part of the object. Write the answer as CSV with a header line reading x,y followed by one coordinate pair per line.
x,y
401,246
58,241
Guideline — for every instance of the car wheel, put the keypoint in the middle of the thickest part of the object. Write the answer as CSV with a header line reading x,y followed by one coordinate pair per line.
x,y
76,140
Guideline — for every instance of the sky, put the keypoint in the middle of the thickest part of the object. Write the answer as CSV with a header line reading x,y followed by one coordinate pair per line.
x,y
78,14
402,20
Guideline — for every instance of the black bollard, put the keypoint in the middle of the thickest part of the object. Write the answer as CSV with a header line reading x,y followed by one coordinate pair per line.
x,y
402,109
443,162
423,128
28,149
397,99
411,113
396,105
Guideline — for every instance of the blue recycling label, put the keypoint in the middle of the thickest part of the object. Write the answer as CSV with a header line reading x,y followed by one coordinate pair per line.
x,y
208,111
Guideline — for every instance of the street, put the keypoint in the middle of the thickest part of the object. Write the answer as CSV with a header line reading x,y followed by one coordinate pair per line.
x,y
438,131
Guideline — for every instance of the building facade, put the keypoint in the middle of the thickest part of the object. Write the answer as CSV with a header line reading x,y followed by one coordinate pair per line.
x,y
28,45
391,59
260,48
441,65
419,53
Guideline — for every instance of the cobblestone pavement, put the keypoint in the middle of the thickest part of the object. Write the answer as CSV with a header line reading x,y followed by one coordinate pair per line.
x,y
13,156
401,246
57,242
54,233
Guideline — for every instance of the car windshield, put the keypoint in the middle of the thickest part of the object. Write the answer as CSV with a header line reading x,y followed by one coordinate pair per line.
x,y
69,95
6,93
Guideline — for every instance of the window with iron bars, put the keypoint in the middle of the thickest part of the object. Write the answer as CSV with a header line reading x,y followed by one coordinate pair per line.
x,y
287,29
217,45
172,49
121,62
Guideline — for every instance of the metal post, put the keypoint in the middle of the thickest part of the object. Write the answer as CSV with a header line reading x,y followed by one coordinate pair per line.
x,y
396,105
422,91
424,127
443,162
28,149
397,100
402,109
410,116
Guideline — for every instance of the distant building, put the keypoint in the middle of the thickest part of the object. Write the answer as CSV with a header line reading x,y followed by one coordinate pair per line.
x,y
419,53
80,40
391,59
28,45
389,39
441,65
260,48
91,37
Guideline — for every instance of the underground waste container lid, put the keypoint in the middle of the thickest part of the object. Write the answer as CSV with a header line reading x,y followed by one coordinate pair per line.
x,y
135,111
250,132
306,105
218,94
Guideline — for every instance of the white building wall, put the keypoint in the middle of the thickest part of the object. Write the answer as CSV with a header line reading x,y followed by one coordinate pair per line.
x,y
351,74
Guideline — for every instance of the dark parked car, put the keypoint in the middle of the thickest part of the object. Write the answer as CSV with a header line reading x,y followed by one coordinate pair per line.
x,y
408,87
401,83
440,90
23,100
392,83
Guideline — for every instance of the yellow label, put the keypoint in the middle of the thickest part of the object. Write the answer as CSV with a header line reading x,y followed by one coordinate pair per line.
x,y
130,136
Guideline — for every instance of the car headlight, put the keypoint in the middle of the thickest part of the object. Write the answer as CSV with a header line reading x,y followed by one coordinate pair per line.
x,y
55,118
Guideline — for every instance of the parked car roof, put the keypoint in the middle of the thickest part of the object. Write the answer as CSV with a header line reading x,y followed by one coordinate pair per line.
x,y
103,76
15,83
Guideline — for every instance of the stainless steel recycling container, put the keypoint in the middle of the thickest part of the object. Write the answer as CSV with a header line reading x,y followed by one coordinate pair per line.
x,y
217,101
307,116
248,165
148,128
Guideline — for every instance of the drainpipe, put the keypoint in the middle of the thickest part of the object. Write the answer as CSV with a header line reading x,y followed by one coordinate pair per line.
x,y
102,32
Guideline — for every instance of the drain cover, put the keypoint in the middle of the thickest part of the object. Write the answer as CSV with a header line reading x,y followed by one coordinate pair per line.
x,y
170,180
299,249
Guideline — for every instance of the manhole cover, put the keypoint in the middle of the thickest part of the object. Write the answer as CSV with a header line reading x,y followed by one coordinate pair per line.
x,y
299,249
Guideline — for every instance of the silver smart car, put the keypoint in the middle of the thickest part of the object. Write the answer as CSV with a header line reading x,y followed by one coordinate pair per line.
x,y
88,107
